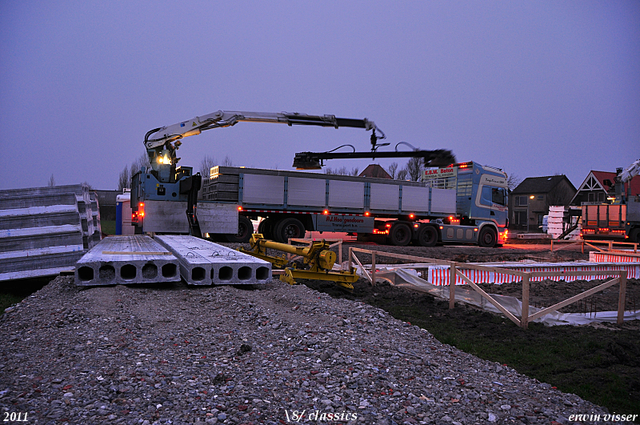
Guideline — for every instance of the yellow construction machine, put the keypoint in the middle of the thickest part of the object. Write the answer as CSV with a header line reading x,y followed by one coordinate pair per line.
x,y
317,260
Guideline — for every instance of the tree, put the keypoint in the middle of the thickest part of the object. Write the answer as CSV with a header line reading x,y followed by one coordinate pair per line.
x,y
393,169
124,179
414,169
52,181
402,174
513,181
342,171
206,164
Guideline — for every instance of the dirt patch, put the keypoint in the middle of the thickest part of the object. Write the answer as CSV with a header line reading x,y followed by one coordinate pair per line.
x,y
598,362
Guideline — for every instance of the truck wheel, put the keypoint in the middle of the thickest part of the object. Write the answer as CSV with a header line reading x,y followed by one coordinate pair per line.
x,y
289,228
428,236
487,237
266,228
400,234
634,236
245,229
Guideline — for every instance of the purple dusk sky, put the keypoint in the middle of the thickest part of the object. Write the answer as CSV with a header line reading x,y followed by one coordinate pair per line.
x,y
536,88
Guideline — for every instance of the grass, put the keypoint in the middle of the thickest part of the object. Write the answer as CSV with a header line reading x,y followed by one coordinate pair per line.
x,y
108,227
599,365
14,291
8,299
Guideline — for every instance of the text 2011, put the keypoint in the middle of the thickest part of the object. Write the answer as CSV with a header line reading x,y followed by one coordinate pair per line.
x,y
15,417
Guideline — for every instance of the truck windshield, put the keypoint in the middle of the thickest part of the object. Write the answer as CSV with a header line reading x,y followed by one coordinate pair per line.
x,y
493,195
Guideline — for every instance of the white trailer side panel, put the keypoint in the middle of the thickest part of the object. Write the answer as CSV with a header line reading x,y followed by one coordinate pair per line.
x,y
415,199
171,217
263,189
346,194
443,201
306,192
384,196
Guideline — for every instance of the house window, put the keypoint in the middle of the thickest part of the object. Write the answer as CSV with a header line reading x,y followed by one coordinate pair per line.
x,y
520,218
596,197
521,201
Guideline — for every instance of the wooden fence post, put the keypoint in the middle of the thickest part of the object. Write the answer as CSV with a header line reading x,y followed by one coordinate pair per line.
x,y
350,263
525,302
622,296
373,269
452,286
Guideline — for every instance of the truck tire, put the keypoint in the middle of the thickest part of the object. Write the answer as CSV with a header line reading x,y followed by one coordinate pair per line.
x,y
265,228
289,228
428,236
634,236
487,237
245,229
400,234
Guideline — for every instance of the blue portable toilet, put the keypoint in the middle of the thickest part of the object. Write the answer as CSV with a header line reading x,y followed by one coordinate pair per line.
x,y
123,214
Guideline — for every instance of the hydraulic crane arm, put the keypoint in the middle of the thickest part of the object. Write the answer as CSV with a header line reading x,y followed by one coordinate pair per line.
x,y
631,171
162,142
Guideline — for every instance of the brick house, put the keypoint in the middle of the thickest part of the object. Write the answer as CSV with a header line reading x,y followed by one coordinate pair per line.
x,y
529,202
599,187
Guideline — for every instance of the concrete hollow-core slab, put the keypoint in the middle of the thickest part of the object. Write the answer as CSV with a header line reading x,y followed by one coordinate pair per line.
x,y
206,263
126,260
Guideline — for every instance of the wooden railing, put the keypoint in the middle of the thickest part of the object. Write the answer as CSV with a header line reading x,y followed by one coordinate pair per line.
x,y
619,277
592,244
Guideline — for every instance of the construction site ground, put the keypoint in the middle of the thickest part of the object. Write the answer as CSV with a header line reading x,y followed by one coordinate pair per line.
x,y
599,362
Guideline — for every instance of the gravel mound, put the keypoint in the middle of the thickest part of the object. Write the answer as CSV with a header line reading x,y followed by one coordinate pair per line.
x,y
271,354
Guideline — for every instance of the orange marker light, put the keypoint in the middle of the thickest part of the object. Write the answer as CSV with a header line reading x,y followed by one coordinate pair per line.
x,y
367,214
325,212
239,208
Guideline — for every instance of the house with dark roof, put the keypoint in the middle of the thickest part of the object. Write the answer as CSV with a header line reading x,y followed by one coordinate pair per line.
x,y
375,170
599,188
530,200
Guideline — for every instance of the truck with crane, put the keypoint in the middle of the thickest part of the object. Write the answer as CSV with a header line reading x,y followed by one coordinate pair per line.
x,y
467,203
619,220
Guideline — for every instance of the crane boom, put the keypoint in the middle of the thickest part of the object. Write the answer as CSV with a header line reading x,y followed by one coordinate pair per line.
x,y
162,142
217,119
630,172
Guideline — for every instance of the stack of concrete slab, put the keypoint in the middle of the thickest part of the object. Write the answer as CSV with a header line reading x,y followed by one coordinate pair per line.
x,y
556,225
206,263
45,230
130,259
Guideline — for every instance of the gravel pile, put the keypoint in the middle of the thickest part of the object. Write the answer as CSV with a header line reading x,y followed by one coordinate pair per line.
x,y
267,355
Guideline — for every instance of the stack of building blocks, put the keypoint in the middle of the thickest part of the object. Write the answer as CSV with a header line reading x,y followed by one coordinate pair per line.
x,y
45,230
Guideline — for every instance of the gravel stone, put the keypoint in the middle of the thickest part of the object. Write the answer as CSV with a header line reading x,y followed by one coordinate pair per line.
x,y
275,353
